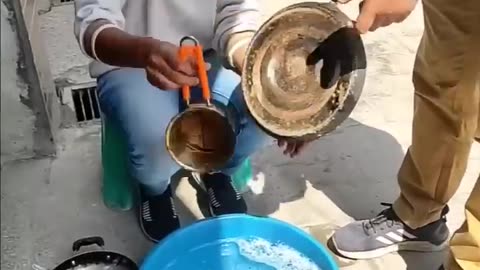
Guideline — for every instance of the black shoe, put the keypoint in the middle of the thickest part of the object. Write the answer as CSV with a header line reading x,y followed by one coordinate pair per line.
x,y
223,197
386,233
158,217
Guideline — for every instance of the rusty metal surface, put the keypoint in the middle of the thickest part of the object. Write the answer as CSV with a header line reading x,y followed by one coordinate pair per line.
x,y
281,91
341,1
201,138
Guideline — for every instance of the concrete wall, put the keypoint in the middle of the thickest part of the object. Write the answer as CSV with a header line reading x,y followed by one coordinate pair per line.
x,y
30,11
68,65
29,112
17,120
66,60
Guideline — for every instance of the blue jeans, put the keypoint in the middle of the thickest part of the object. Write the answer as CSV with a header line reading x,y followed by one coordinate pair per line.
x,y
142,112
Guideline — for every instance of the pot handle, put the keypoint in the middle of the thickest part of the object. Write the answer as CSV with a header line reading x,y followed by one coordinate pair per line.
x,y
195,51
87,241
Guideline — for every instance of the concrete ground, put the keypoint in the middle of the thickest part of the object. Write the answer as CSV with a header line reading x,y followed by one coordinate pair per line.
x,y
47,204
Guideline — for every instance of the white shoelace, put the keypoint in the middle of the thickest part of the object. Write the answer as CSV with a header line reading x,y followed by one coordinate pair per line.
x,y
213,199
174,209
237,194
146,210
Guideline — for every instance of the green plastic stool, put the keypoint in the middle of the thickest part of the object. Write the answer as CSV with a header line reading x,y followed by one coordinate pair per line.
x,y
243,176
118,190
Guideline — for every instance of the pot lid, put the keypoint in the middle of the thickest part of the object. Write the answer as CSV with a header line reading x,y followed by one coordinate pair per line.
x,y
282,86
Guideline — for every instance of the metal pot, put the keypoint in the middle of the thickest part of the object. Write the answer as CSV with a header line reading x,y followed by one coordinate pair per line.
x,y
98,259
201,138
282,90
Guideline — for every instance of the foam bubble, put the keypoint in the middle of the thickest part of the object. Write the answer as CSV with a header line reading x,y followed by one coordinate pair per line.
x,y
278,256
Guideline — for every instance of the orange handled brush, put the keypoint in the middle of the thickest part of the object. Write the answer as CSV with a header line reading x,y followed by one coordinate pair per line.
x,y
195,51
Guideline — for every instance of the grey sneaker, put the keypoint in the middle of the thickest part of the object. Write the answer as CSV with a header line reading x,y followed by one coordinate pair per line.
x,y
386,233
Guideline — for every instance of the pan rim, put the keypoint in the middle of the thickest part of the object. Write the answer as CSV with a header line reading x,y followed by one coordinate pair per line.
x,y
89,258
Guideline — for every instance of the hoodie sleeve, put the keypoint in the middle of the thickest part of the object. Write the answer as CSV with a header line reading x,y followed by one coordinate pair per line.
x,y
234,16
89,11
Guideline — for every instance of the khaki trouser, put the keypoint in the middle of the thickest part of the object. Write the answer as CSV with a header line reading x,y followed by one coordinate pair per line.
x,y
446,119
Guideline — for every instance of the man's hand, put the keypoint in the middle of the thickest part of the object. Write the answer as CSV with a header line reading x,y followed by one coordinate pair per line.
x,y
339,54
381,13
292,148
163,66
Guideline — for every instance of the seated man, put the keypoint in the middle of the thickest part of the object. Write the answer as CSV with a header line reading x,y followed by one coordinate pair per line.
x,y
133,45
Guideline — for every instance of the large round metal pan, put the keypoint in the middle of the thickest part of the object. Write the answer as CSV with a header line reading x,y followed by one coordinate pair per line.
x,y
282,91
96,260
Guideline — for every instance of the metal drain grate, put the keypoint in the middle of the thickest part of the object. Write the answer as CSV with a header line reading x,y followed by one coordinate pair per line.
x,y
61,2
85,103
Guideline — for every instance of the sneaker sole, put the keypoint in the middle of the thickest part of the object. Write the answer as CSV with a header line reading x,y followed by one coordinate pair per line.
x,y
210,209
139,216
143,230
418,246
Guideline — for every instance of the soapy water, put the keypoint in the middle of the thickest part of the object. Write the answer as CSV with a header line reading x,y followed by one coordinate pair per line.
x,y
278,256
242,254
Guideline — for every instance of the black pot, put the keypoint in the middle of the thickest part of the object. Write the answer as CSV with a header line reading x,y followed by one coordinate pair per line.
x,y
98,259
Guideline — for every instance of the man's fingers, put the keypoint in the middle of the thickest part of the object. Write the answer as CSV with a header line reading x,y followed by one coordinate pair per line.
x,y
299,148
290,148
208,66
188,67
366,17
376,24
382,21
160,81
176,76
400,18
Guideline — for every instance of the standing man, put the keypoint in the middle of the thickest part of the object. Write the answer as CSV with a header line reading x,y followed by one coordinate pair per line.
x,y
446,120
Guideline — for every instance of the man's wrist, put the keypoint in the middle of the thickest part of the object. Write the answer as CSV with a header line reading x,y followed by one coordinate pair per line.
x,y
238,58
143,47
236,50
115,47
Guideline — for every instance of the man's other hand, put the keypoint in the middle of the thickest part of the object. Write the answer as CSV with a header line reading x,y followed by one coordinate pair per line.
x,y
292,148
380,13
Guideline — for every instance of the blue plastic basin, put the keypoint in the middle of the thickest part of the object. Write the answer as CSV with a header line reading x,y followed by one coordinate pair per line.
x,y
179,245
